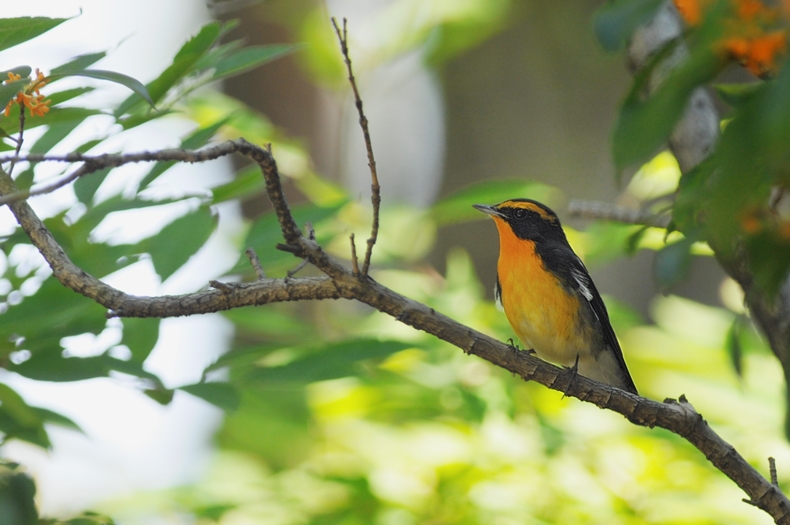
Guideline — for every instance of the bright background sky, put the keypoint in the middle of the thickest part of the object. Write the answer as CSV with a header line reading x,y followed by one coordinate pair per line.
x,y
130,441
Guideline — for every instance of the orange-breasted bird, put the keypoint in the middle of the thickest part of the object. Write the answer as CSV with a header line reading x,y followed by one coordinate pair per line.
x,y
548,295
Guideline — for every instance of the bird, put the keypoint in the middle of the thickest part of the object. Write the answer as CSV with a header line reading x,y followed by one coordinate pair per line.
x,y
548,296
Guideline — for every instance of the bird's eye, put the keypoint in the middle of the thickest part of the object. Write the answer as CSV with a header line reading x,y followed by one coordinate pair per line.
x,y
520,213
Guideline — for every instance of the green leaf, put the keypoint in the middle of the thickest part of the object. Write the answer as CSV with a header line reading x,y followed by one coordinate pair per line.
x,y
86,518
608,240
217,54
48,416
53,136
195,140
119,78
265,234
25,179
330,361
247,182
22,71
12,428
79,62
52,313
14,406
14,31
271,422
182,65
464,26
138,119
68,94
132,368
458,207
737,95
243,357
17,496
672,262
9,91
251,57
86,186
52,366
769,261
55,116
98,212
161,395
178,241
270,324
615,22
644,125
140,335
221,395
733,345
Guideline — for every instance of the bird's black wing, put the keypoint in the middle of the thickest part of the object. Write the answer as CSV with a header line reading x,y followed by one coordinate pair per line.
x,y
563,262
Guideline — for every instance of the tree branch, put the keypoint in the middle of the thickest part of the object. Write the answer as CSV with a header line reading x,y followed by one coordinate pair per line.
x,y
121,304
613,212
375,189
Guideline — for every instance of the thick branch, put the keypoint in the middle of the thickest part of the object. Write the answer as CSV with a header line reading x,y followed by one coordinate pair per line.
x,y
127,305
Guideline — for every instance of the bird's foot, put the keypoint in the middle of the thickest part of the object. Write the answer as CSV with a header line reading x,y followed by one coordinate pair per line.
x,y
573,373
512,344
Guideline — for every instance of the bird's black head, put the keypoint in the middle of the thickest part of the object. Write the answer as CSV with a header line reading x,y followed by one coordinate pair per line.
x,y
527,218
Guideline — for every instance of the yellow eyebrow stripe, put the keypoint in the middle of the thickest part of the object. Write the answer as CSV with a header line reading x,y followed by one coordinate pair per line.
x,y
528,206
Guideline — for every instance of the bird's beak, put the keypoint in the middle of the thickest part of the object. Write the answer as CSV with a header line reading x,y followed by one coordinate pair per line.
x,y
490,210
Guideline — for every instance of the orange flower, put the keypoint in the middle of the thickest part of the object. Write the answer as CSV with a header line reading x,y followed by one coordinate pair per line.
x,y
35,103
691,10
751,28
757,54
751,224
748,9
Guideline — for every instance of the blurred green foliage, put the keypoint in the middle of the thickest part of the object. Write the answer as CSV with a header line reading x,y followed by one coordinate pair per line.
x,y
340,415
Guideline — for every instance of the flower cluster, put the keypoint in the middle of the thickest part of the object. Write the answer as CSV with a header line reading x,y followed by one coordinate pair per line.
x,y
30,96
756,33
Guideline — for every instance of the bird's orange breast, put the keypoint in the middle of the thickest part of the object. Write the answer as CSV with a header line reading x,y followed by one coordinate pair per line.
x,y
542,312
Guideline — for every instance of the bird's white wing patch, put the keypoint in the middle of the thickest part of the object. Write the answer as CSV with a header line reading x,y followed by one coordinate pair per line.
x,y
498,296
584,283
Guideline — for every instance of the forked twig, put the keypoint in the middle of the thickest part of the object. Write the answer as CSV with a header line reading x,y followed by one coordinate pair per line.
x,y
375,189
256,263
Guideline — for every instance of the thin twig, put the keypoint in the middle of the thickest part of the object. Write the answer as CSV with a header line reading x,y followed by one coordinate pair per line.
x,y
613,212
772,470
20,140
296,270
256,263
93,163
354,260
310,236
375,189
